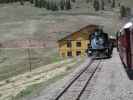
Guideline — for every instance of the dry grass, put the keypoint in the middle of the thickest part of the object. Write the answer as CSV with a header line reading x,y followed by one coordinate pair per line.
x,y
21,23
16,61
23,85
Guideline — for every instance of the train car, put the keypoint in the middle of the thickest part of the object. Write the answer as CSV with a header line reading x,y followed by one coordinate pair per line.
x,y
99,45
125,45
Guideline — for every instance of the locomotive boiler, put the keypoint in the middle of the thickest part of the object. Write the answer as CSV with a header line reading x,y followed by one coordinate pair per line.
x,y
100,46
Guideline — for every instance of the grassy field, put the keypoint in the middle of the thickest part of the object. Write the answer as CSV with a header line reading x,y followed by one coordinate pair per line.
x,y
21,23
18,24
16,61
35,89
31,83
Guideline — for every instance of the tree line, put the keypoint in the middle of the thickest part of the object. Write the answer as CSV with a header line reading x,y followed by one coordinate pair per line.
x,y
100,5
48,4
12,1
55,5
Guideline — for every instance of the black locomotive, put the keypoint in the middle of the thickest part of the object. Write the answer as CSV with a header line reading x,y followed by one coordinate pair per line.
x,y
100,45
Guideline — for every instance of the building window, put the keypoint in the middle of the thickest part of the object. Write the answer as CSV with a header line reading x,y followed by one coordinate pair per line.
x,y
78,53
69,53
78,44
63,54
69,44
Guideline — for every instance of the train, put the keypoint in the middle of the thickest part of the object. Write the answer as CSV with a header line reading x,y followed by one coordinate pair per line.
x,y
125,45
100,45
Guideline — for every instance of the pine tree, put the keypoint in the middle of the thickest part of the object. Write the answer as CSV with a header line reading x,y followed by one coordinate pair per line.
x,y
119,4
48,5
40,3
32,1
21,2
87,1
123,11
62,4
36,3
44,3
73,0
54,6
128,11
109,1
113,4
96,5
68,5
102,4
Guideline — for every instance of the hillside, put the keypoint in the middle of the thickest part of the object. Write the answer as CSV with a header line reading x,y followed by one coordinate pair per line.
x,y
127,3
23,27
29,34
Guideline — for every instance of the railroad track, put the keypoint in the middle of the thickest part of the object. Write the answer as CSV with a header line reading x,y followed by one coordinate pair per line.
x,y
75,89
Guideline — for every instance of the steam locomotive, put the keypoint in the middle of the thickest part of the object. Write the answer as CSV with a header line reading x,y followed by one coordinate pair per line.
x,y
100,45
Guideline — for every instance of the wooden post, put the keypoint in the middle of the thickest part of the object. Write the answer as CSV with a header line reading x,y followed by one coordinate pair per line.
x,y
21,2
29,56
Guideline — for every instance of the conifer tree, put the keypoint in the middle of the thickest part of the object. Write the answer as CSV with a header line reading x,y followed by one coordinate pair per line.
x,y
36,3
73,0
123,11
21,2
109,1
113,4
68,5
102,4
32,1
54,6
39,3
62,4
128,11
96,5
47,5
44,3
87,1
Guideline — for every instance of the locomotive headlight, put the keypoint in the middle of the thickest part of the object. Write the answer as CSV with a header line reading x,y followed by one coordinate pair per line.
x,y
89,51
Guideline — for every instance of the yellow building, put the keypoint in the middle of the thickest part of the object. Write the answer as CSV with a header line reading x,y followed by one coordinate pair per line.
x,y
76,43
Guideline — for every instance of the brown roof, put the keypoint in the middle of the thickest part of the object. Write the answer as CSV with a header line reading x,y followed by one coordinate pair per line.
x,y
90,28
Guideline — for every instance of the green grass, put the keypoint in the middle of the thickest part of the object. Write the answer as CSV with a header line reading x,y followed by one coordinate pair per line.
x,y
15,61
34,90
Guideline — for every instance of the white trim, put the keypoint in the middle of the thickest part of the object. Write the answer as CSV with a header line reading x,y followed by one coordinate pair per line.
x,y
128,25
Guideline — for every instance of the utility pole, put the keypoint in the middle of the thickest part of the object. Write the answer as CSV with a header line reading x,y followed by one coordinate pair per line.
x,y
29,55
21,2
